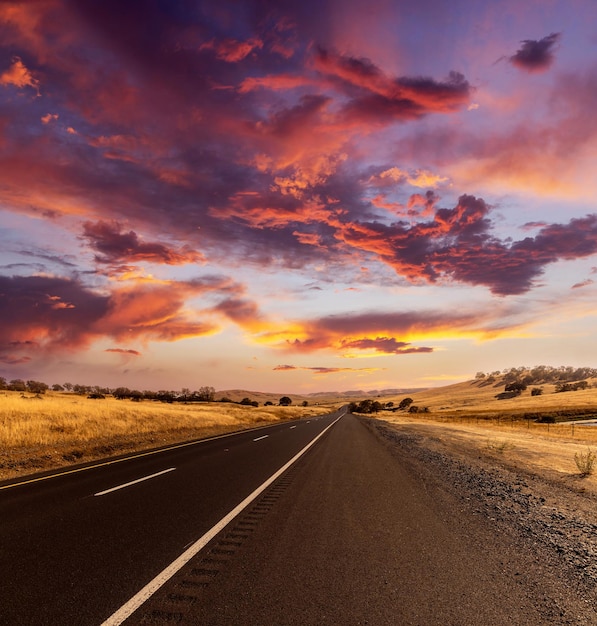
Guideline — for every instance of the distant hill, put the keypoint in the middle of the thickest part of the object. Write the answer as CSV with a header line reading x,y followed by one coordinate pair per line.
x,y
320,397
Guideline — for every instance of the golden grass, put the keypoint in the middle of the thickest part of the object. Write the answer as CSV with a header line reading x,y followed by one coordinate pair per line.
x,y
63,418
54,430
473,398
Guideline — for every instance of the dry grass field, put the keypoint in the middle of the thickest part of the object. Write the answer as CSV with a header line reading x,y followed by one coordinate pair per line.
x,y
467,419
56,429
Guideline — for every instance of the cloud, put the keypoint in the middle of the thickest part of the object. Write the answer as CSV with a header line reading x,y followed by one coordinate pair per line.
x,y
385,345
584,283
327,370
535,56
377,97
231,50
51,314
123,351
243,312
114,245
19,76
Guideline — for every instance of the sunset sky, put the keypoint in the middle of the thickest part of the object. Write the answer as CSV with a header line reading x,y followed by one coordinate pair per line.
x,y
296,196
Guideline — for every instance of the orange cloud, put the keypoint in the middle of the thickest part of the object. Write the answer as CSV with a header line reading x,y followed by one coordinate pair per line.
x,y
123,351
43,313
18,75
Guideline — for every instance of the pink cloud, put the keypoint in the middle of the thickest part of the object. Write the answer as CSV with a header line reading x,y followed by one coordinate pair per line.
x,y
232,50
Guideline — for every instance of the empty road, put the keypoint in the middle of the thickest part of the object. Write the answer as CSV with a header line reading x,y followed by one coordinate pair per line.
x,y
347,534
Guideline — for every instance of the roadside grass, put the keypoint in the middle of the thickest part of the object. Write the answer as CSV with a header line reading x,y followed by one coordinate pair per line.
x,y
42,432
499,445
585,462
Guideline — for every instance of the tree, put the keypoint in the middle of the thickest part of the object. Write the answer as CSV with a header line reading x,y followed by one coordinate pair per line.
x,y
68,386
305,403
2,382
35,386
285,401
165,396
405,403
17,385
249,402
206,394
518,386
57,387
536,391
120,393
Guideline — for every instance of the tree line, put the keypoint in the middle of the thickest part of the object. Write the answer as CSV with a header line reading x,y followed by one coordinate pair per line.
x,y
185,395
537,375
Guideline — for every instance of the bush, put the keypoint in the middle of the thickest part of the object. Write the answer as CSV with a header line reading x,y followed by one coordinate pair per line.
x,y
405,403
547,419
536,391
585,461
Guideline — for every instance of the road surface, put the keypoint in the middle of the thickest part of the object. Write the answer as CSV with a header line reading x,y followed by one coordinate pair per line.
x,y
348,534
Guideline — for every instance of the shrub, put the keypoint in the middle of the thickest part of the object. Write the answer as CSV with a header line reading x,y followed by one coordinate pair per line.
x,y
585,462
536,391
405,403
547,419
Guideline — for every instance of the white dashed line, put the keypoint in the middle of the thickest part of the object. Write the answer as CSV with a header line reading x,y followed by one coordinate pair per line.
x,y
259,438
133,482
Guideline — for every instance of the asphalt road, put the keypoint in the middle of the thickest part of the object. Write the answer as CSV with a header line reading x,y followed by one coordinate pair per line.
x,y
73,551
348,535
352,536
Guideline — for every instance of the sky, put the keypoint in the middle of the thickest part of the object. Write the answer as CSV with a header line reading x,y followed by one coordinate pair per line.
x,y
296,197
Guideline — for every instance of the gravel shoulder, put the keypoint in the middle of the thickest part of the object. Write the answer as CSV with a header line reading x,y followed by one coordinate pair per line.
x,y
522,492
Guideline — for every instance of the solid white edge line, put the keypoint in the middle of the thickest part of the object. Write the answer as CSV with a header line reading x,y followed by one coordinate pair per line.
x,y
133,482
125,611
260,438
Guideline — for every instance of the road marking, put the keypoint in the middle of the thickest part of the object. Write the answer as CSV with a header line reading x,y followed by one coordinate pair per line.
x,y
125,611
292,427
126,458
260,438
133,482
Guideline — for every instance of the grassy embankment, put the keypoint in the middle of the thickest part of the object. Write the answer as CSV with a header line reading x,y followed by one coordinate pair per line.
x,y
57,429
467,418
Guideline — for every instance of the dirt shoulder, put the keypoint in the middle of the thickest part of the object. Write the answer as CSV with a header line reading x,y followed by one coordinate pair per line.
x,y
530,491
512,445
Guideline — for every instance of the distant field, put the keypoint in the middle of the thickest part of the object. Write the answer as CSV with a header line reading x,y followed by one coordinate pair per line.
x,y
477,399
59,428
468,420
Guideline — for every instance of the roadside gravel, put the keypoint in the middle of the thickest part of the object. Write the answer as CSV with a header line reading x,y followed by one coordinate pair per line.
x,y
544,517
